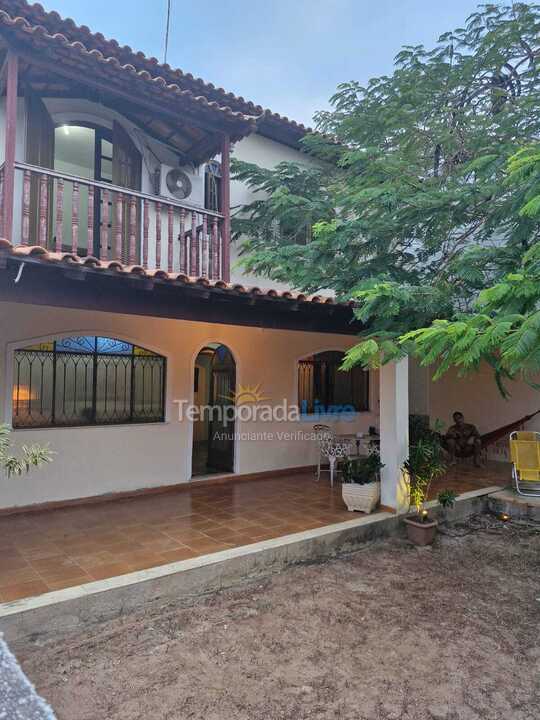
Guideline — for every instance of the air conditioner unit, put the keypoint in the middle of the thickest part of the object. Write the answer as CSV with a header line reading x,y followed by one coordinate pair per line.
x,y
181,184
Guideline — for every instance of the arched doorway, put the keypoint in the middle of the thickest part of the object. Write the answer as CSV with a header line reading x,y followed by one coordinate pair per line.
x,y
105,155
213,432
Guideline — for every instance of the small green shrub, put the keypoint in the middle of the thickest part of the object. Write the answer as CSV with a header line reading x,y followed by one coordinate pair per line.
x,y
31,456
362,470
447,498
425,463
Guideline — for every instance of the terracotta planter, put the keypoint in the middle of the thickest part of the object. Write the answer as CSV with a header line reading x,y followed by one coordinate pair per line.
x,y
420,533
361,497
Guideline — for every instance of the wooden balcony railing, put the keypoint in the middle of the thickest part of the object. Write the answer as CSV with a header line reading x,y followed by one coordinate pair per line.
x,y
66,213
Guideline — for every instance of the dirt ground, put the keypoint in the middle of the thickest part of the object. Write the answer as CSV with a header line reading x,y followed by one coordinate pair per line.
x,y
390,632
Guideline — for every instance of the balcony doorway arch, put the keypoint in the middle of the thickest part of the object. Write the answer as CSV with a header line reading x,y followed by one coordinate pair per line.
x,y
99,155
213,433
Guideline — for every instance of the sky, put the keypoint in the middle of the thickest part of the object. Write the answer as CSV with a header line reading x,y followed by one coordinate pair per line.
x,y
286,55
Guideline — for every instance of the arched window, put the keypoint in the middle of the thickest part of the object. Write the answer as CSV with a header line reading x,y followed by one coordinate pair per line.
x,y
323,387
87,380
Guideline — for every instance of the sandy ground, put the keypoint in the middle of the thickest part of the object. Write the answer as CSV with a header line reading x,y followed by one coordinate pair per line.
x,y
388,632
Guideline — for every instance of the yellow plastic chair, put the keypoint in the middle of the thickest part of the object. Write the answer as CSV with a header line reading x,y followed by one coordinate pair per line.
x,y
525,456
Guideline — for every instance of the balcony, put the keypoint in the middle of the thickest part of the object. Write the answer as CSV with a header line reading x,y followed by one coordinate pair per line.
x,y
85,154
70,214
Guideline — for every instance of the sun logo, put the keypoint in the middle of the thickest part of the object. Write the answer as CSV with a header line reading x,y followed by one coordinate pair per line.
x,y
247,395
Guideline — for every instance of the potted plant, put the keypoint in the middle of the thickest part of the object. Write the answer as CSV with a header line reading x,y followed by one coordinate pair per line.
x,y
424,464
361,487
446,499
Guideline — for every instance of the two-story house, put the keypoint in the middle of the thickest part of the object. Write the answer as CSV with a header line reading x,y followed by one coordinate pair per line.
x,y
119,300
123,319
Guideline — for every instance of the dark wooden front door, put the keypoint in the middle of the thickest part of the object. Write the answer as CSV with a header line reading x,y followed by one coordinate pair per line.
x,y
221,430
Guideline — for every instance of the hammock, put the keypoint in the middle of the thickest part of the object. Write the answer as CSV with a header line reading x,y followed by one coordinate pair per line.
x,y
494,435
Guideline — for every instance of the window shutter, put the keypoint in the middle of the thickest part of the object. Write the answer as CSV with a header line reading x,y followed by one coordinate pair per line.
x,y
126,172
126,164
40,152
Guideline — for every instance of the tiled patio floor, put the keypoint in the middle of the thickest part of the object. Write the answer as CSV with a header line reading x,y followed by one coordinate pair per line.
x,y
54,549
464,477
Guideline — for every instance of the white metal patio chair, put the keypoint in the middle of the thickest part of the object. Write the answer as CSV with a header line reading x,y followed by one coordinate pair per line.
x,y
322,433
335,452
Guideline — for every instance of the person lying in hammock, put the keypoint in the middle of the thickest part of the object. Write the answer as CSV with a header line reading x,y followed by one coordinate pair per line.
x,y
462,440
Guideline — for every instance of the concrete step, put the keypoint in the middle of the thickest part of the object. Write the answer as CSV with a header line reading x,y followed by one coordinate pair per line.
x,y
517,506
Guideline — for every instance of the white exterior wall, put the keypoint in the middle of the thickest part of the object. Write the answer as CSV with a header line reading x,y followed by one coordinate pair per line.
x,y
266,153
98,460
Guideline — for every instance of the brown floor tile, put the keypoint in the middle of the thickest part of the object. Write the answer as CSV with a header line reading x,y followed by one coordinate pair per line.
x,y
207,546
54,564
140,560
185,537
118,548
238,524
69,572
142,535
44,550
28,589
12,562
60,583
92,560
171,556
223,534
106,538
204,525
101,572
162,544
18,576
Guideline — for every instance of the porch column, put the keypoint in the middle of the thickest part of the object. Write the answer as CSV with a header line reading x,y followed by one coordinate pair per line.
x,y
226,207
12,62
394,429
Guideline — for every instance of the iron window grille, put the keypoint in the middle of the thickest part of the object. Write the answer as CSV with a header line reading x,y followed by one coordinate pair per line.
x,y
322,386
87,380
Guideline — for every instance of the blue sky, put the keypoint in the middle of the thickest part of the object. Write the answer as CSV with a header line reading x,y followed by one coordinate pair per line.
x,y
288,55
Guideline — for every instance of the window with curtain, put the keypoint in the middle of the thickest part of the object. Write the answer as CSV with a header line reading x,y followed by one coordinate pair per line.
x,y
323,387
87,380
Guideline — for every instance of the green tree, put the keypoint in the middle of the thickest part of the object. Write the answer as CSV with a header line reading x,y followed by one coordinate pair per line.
x,y
427,218
504,327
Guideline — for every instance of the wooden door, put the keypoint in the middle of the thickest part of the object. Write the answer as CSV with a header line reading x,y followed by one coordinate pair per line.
x,y
126,172
221,431
40,152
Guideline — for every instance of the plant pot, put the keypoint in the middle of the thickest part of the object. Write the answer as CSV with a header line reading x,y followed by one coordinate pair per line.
x,y
420,533
361,497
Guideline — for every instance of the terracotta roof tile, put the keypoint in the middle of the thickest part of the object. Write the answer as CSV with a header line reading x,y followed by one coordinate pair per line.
x,y
24,26
34,19
41,254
